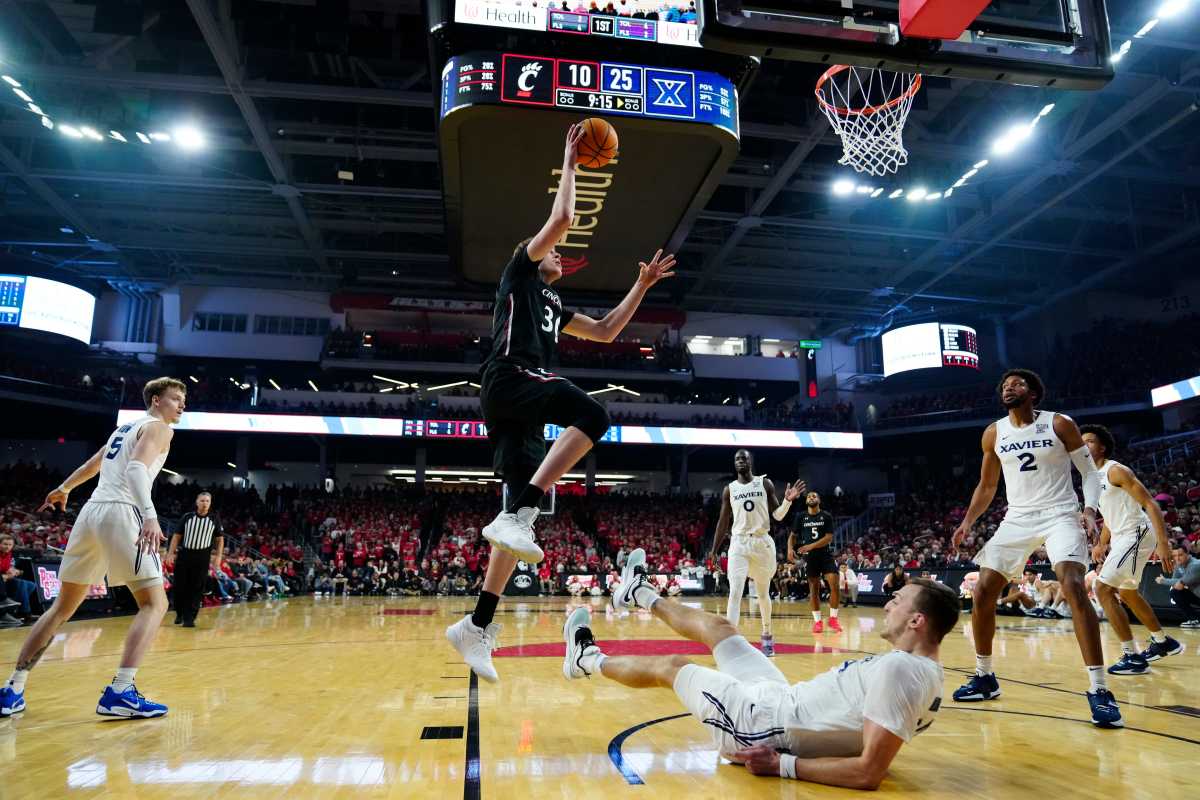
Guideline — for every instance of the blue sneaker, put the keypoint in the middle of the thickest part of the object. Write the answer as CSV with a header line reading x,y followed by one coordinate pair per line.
x,y
768,645
11,702
128,703
1130,664
1158,650
980,687
1105,713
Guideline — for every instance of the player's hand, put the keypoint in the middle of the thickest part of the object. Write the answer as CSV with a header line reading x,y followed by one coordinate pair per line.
x,y
1088,519
795,491
658,268
169,559
151,537
761,760
1164,553
56,498
1179,585
961,533
1097,553
571,149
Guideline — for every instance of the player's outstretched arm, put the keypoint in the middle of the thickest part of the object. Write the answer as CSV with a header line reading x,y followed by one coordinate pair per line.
x,y
985,490
608,328
1124,478
82,474
865,771
724,524
152,441
562,213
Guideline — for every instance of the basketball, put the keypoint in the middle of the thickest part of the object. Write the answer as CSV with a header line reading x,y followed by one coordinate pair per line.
x,y
598,145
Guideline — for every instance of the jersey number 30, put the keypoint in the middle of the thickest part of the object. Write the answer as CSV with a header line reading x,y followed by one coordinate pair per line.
x,y
551,322
1028,462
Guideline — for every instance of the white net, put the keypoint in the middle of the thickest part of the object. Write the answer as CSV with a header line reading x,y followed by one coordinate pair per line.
x,y
867,108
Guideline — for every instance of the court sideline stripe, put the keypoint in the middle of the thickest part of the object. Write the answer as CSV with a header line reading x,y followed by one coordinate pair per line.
x,y
471,789
1070,719
618,759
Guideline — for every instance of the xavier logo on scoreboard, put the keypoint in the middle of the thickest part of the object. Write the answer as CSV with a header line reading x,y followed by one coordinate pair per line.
x,y
527,79
670,93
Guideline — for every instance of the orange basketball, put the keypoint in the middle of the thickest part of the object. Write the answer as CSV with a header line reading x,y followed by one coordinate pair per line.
x,y
598,145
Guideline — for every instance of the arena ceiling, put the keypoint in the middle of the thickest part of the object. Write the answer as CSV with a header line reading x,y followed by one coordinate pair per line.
x,y
290,92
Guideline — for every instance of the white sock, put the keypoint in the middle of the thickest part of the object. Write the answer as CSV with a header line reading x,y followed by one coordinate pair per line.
x,y
645,597
816,616
833,613
983,665
123,679
1129,648
1096,678
1159,637
17,681
591,661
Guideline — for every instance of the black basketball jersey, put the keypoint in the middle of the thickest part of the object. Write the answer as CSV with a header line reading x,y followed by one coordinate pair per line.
x,y
811,527
527,318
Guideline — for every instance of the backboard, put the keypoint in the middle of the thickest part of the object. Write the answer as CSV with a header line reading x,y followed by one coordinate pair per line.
x,y
1058,43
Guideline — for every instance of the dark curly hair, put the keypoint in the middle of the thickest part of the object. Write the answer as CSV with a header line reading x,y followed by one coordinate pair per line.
x,y
1031,378
1104,435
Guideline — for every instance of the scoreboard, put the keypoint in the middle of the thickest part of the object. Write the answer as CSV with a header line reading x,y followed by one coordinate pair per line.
x,y
585,86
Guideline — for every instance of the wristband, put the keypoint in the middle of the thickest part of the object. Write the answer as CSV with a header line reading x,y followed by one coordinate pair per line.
x,y
787,765
782,511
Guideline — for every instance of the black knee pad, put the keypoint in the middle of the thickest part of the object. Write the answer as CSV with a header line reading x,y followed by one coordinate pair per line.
x,y
592,420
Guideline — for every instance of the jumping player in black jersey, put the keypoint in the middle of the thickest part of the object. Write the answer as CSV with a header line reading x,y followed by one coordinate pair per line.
x,y
815,529
519,396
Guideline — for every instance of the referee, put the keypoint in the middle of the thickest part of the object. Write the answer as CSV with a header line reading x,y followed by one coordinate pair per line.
x,y
190,549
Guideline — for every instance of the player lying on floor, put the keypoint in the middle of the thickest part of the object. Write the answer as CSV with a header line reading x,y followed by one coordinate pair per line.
x,y
841,728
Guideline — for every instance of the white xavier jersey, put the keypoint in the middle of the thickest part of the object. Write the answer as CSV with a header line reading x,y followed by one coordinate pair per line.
x,y
1121,512
898,691
1037,466
749,501
114,486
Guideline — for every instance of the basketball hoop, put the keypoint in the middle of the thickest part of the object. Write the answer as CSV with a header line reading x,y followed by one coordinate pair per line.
x,y
867,109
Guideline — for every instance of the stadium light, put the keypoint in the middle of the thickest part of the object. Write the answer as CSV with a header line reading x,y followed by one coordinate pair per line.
x,y
118,136
1172,7
273,383
231,465
895,194
1011,139
876,193
445,386
864,189
159,136
917,194
189,138
980,164
760,401
313,385
22,95
10,81
934,196
193,379
843,187
1149,26
35,108
91,133
68,130
143,138
47,123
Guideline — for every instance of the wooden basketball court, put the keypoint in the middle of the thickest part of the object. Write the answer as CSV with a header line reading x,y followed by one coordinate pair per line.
x,y
362,697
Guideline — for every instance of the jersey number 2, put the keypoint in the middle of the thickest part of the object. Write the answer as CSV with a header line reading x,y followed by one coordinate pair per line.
x,y
1027,462
114,448
551,322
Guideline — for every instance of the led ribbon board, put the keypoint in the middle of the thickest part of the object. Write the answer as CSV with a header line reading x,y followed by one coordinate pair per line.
x,y
502,159
1175,392
246,422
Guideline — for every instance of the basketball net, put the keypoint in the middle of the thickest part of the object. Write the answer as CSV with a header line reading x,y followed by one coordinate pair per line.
x,y
867,109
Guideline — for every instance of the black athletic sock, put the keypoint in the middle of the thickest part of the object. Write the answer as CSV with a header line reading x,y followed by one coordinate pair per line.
x,y
485,609
529,497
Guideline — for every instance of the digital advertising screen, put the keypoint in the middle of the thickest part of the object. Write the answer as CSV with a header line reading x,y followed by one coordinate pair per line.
x,y
245,422
656,21
39,304
928,345
1175,392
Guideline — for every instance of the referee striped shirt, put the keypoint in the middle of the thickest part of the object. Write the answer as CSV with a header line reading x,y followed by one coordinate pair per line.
x,y
197,532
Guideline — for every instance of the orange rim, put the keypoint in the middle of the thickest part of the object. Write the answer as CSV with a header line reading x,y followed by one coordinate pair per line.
x,y
845,112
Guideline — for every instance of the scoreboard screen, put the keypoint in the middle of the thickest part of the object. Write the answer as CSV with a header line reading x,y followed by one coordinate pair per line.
x,y
39,304
578,85
652,21
929,345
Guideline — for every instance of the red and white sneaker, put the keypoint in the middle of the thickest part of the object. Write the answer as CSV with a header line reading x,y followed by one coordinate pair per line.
x,y
834,625
818,627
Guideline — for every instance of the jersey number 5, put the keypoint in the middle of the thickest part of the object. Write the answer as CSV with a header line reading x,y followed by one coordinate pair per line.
x,y
114,448
551,322
1027,462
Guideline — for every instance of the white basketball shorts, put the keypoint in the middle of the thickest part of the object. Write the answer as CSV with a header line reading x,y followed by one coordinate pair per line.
x,y
104,541
752,556
1127,555
738,701
1058,529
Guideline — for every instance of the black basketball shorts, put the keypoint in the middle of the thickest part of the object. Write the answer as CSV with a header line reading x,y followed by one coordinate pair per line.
x,y
820,562
517,403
